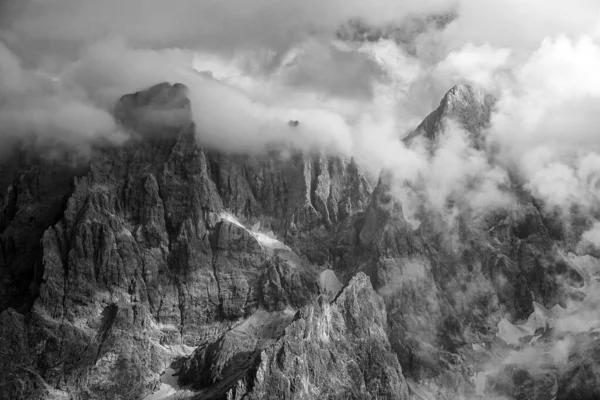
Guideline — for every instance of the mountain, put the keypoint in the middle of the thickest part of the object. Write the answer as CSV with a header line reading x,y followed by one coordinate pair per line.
x,y
162,269
468,106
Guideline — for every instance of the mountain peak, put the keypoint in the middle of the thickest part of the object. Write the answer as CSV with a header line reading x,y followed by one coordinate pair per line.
x,y
463,96
468,106
156,108
465,99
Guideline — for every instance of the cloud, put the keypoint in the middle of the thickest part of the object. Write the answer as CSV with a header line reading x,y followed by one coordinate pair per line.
x,y
228,119
35,109
251,66
214,24
237,112
546,121
519,25
476,65
112,67
280,60
333,70
447,182
272,62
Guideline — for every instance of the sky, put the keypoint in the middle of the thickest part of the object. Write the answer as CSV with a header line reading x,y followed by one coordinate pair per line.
x,y
253,65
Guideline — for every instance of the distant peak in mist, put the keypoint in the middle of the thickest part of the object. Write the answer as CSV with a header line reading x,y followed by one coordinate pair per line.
x,y
159,107
462,97
469,106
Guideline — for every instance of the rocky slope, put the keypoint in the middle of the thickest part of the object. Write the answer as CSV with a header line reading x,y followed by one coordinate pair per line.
x,y
140,254
451,286
161,255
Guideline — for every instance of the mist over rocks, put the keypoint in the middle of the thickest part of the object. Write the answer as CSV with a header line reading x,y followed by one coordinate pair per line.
x,y
252,212
158,246
140,260
157,109
469,106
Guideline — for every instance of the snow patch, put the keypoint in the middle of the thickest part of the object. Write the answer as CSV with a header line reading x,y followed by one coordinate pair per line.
x,y
168,382
168,386
511,333
265,324
266,240
329,283
480,380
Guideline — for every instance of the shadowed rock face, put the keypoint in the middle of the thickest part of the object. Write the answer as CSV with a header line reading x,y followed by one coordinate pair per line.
x,y
155,112
135,258
34,195
161,253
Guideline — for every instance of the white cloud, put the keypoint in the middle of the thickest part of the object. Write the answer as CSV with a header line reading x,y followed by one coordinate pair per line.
x,y
593,235
547,119
222,25
477,65
276,61
520,25
35,107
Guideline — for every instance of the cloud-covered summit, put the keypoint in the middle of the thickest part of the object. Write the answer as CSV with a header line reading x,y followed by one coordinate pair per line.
x,y
253,66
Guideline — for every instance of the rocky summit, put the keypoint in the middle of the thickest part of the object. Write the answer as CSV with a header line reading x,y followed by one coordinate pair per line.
x,y
164,270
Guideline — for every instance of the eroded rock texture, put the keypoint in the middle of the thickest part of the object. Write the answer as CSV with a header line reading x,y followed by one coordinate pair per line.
x,y
136,256
160,253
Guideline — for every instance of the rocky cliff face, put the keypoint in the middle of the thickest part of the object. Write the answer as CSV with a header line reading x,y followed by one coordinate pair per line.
x,y
161,255
332,348
465,105
454,289
158,244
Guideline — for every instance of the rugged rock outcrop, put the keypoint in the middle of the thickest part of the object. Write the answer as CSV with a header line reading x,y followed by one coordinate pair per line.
x,y
150,248
448,283
227,269
332,349
465,105
33,197
335,350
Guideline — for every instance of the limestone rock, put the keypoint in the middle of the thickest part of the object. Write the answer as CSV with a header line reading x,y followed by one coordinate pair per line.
x,y
335,350
110,271
130,257
466,105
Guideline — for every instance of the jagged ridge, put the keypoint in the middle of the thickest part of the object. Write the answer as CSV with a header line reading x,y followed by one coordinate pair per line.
x,y
141,261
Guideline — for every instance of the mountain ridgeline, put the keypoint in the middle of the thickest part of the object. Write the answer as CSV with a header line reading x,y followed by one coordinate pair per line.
x,y
165,270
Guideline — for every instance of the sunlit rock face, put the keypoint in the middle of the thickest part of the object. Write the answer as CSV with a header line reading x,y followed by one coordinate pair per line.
x,y
330,349
163,268
465,105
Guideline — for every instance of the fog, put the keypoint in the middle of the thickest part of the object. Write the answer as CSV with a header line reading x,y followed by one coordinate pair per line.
x,y
252,66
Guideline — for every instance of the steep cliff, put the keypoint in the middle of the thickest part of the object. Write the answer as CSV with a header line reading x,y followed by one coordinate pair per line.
x,y
332,349
451,284
164,267
158,244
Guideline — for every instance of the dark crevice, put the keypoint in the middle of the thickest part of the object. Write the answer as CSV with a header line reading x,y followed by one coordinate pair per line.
x,y
37,201
214,240
180,297
315,171
109,315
